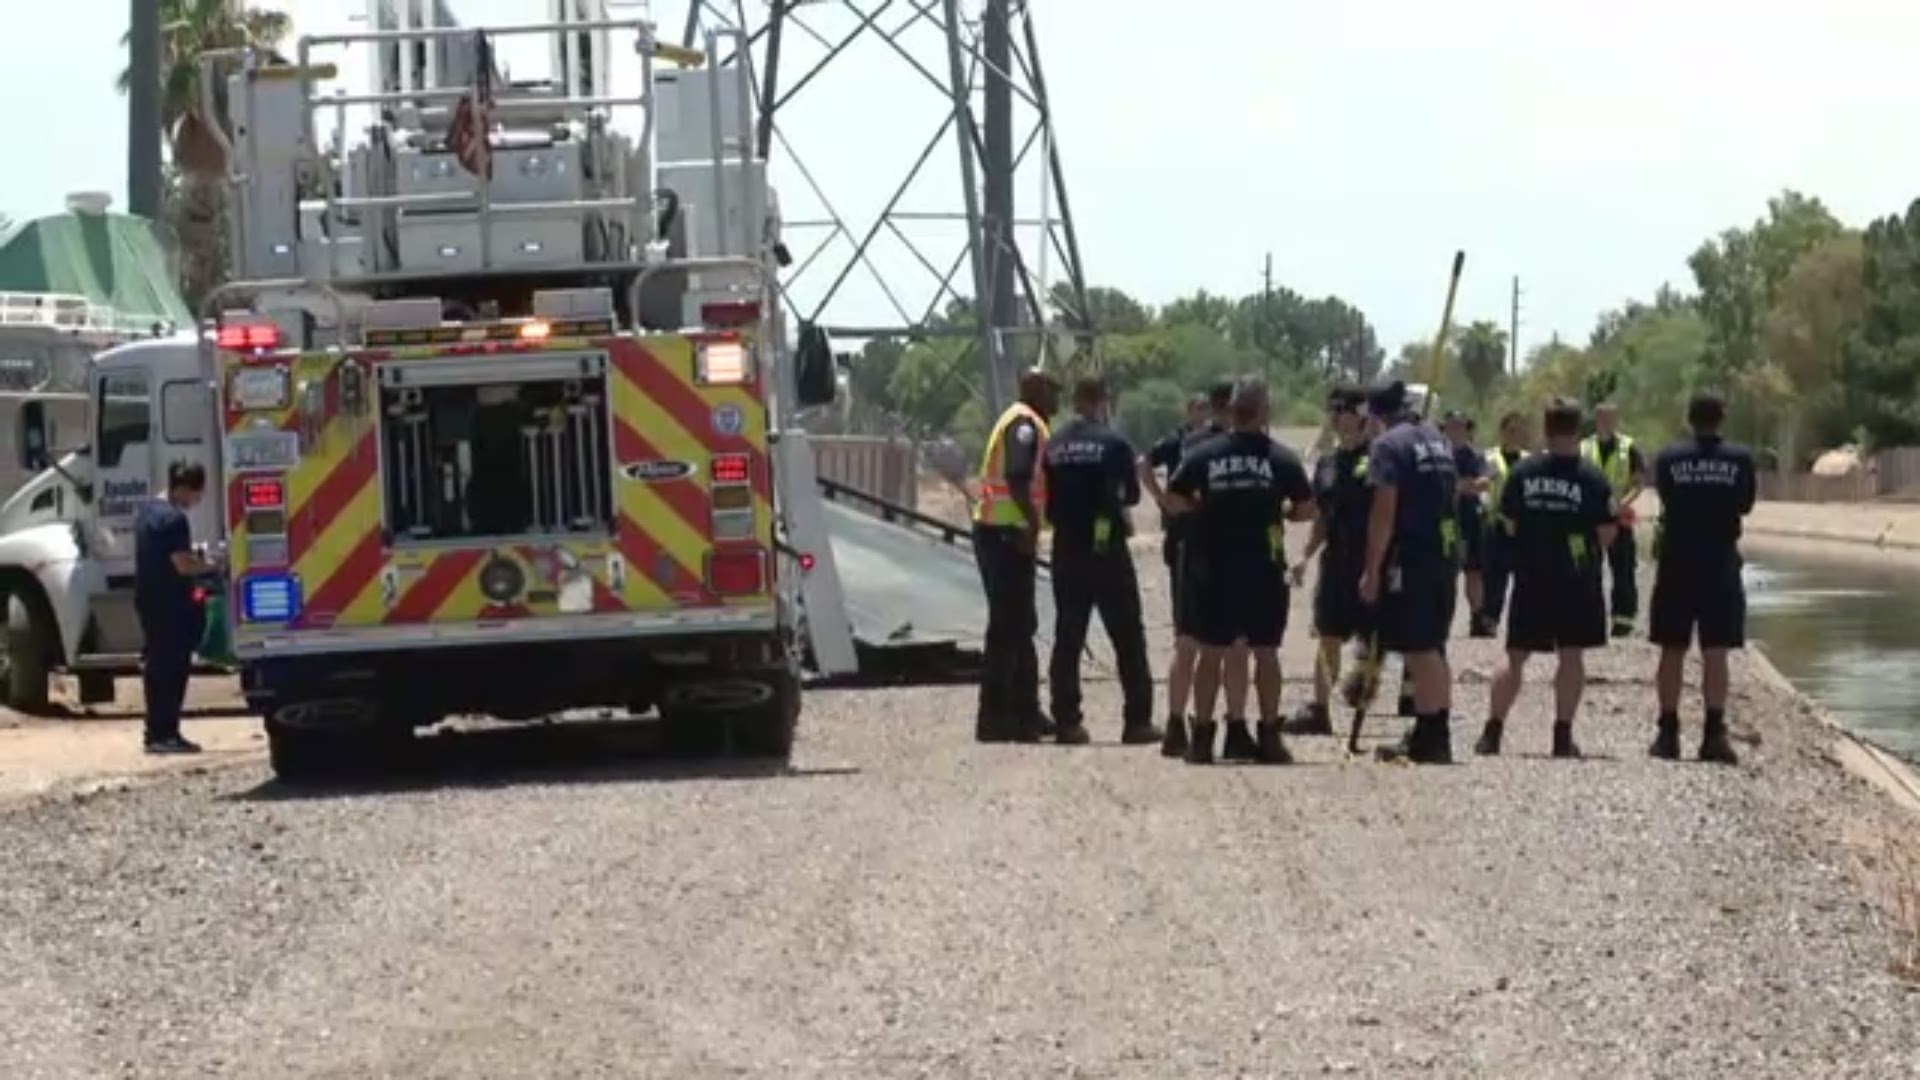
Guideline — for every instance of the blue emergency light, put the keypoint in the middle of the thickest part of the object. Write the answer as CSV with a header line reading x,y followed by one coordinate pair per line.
x,y
271,598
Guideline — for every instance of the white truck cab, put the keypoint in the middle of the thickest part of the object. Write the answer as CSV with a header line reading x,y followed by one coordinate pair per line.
x,y
66,536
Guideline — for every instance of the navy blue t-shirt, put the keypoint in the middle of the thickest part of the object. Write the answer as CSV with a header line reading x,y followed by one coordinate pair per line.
x,y
1417,461
160,531
1468,464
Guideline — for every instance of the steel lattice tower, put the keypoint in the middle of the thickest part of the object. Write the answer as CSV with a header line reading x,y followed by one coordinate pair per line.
x,y
978,101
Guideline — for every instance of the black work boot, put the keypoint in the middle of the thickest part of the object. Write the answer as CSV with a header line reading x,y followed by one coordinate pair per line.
x,y
1715,746
1271,749
1428,742
1489,744
1666,743
1563,744
1312,719
1175,744
1200,742
1140,734
1072,734
1239,744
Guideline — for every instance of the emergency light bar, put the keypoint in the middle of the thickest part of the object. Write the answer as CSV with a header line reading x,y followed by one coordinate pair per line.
x,y
529,333
248,336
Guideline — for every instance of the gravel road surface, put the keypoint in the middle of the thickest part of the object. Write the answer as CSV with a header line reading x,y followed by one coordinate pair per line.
x,y
901,902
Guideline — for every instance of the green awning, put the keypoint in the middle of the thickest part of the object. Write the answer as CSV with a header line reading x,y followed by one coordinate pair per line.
x,y
116,261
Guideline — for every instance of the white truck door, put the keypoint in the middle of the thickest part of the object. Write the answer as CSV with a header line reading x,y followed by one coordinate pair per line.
x,y
123,461
185,432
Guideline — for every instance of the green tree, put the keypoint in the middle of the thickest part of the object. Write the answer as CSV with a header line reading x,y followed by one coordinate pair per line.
x,y
1201,309
1739,272
1881,362
1816,311
196,198
1112,311
1482,352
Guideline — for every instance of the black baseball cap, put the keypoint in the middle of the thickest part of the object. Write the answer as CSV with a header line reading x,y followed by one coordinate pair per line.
x,y
1457,416
1387,399
1346,398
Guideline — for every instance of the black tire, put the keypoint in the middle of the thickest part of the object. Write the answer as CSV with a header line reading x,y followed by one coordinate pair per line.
x,y
318,754
303,755
767,730
30,651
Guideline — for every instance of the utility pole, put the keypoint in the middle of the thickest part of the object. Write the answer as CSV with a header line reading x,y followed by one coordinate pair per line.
x,y
1266,313
1513,331
143,110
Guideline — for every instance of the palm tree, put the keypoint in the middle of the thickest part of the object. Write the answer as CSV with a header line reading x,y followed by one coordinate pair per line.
x,y
1482,349
196,194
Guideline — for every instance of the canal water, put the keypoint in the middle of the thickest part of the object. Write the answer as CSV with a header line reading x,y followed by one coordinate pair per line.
x,y
1848,636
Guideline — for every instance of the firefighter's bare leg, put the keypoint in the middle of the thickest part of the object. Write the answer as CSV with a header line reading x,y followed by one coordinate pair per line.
x,y
1326,670
1208,665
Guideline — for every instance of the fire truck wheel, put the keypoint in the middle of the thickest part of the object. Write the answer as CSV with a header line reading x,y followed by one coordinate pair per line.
x,y
29,651
766,730
303,755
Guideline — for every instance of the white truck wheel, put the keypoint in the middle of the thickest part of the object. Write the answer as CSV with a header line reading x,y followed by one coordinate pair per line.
x,y
29,651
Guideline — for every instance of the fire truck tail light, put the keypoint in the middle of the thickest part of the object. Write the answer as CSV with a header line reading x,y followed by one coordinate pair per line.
x,y
263,493
725,363
731,469
736,573
249,337
727,314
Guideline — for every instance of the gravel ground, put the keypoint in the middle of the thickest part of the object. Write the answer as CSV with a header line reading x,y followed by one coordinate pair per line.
x,y
556,903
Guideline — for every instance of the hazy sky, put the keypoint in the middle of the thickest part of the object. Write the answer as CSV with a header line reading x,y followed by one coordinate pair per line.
x,y
1584,147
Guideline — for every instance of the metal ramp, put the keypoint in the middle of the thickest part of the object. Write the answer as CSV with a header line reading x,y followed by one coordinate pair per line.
x,y
911,592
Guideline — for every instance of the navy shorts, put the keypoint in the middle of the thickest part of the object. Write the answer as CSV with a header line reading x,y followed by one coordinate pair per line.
x,y
1687,601
1417,602
1337,609
1552,614
1473,537
1224,607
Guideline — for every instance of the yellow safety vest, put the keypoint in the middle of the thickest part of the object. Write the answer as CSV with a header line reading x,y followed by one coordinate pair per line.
x,y
1498,461
996,506
1618,468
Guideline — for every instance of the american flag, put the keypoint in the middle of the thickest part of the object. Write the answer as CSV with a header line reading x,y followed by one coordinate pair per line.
x,y
473,116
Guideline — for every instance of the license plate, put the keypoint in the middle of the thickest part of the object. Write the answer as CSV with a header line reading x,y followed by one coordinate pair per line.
x,y
263,450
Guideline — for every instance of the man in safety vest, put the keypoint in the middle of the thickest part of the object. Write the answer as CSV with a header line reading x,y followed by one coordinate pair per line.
x,y
1625,468
1006,533
1499,556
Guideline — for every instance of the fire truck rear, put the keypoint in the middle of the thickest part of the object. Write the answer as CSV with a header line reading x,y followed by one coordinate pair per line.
x,y
535,482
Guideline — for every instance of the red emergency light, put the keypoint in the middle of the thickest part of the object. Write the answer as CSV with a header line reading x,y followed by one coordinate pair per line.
x,y
249,337
263,493
731,469
730,313
736,573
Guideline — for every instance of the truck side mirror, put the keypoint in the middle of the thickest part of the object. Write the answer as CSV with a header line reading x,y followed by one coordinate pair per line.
x,y
31,438
817,381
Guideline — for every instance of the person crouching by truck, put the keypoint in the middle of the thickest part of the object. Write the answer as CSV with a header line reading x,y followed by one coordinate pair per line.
x,y
1167,455
1006,533
1241,487
171,620
1340,541
1090,484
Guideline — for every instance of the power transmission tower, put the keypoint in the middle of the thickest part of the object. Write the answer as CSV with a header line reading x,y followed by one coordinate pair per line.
x,y
974,67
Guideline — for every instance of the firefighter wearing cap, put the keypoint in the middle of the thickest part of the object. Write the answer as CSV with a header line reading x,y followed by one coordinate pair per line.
x,y
1625,468
1090,483
1006,534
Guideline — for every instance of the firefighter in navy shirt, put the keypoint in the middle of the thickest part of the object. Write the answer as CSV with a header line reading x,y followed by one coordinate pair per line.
x,y
171,622
1413,562
1340,540
1706,487
1241,487
1167,455
1558,512
1090,485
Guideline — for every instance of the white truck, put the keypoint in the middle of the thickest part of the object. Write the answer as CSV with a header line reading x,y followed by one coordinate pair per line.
x,y
498,418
